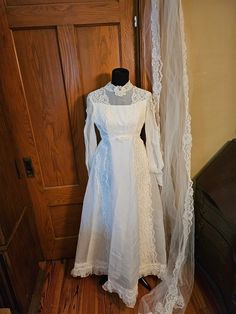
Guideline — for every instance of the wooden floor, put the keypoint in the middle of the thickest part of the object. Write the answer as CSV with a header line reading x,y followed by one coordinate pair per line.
x,y
57,292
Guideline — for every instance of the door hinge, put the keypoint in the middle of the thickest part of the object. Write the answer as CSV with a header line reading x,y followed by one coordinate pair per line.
x,y
135,21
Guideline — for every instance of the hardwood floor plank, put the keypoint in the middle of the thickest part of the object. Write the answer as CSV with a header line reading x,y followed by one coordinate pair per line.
x,y
70,300
52,288
36,297
64,294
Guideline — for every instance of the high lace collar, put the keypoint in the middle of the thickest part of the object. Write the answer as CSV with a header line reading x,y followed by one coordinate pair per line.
x,y
119,90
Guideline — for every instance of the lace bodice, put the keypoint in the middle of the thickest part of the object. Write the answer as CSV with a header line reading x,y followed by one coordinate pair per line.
x,y
120,112
119,95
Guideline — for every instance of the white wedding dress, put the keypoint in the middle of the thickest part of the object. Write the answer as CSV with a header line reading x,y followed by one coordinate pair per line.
x,y
122,231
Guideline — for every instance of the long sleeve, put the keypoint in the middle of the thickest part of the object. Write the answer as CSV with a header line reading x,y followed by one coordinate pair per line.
x,y
153,142
90,138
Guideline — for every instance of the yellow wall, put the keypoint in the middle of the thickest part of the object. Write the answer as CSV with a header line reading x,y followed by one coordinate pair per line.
x,y
210,27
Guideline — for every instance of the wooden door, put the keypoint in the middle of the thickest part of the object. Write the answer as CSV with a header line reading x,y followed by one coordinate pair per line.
x,y
19,245
52,54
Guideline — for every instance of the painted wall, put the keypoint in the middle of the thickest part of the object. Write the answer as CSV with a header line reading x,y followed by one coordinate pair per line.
x,y
210,27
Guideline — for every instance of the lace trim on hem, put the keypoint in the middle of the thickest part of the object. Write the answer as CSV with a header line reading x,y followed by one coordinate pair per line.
x,y
157,269
128,296
84,270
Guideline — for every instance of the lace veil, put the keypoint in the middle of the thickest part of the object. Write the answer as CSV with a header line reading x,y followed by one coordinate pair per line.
x,y
168,77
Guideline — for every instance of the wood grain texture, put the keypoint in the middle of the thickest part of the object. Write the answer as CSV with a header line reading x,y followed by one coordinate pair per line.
x,y
23,267
47,105
51,297
62,14
71,295
36,2
66,220
72,78
12,196
145,44
19,245
127,38
97,56
5,311
15,109
62,195
54,55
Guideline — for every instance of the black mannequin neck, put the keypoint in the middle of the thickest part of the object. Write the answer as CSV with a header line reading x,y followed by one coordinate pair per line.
x,y
120,76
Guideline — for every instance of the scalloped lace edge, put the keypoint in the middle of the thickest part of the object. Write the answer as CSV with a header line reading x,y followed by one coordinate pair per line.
x,y
86,269
129,296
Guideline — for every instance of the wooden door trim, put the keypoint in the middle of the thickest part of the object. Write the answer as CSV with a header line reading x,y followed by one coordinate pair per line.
x,y
145,39
71,74
62,14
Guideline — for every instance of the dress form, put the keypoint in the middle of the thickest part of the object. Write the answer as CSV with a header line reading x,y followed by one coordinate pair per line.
x,y
120,76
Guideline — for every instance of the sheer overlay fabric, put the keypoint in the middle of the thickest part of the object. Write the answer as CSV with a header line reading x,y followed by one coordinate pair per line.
x,y
122,231
168,76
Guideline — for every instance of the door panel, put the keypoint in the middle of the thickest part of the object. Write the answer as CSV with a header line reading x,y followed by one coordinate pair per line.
x,y
47,105
99,54
65,14
59,52
64,219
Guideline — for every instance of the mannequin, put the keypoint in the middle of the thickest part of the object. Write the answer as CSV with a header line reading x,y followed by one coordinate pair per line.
x,y
120,76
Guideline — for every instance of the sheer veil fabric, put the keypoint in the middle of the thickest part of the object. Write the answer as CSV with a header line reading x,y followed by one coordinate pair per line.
x,y
168,74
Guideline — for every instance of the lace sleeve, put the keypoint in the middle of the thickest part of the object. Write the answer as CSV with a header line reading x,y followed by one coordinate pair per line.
x,y
90,138
153,144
